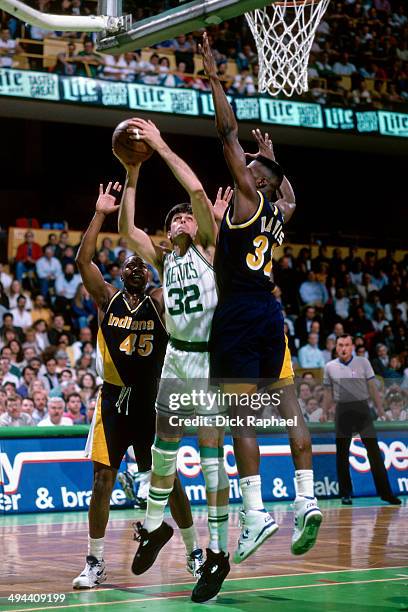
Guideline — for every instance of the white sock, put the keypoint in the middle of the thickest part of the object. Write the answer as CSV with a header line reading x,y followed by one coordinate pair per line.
x,y
304,483
251,493
189,538
218,528
144,483
156,505
95,547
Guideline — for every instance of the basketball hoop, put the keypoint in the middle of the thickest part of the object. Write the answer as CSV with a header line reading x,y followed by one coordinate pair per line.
x,y
284,34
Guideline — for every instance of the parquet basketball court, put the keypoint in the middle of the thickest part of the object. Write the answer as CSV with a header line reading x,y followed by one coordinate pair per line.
x,y
360,563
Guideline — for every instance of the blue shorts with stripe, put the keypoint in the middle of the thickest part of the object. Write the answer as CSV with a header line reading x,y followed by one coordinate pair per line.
x,y
248,342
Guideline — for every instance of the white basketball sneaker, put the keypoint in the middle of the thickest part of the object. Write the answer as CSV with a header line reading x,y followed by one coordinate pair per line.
x,y
194,561
256,527
93,575
308,518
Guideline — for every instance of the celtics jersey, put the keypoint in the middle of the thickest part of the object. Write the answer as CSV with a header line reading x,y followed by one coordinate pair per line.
x,y
190,295
131,343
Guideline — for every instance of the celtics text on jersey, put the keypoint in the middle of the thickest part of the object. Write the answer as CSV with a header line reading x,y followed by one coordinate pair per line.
x,y
190,295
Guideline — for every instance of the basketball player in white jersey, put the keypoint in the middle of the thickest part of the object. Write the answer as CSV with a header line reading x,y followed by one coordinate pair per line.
x,y
190,299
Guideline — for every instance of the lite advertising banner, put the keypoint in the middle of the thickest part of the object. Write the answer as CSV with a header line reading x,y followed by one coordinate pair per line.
x,y
189,102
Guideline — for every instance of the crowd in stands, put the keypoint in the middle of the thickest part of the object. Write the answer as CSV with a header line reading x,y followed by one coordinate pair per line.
x,y
48,326
325,297
366,41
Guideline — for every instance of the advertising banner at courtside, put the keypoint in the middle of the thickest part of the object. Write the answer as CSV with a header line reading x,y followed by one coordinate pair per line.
x,y
50,474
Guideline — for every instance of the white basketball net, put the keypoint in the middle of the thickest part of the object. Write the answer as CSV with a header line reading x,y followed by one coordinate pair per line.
x,y
284,34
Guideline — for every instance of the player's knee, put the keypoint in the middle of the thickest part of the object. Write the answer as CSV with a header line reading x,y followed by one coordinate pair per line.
x,y
223,480
212,465
164,457
302,444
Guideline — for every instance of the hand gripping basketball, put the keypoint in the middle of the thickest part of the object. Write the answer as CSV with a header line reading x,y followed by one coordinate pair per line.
x,y
129,146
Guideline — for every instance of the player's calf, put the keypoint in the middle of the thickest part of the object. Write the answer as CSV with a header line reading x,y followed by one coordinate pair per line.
x,y
155,533
217,488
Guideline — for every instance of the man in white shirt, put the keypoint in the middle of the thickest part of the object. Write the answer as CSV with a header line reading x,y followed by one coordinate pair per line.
x,y
344,67
50,377
128,66
5,374
15,417
67,282
148,71
399,19
310,356
122,246
396,411
55,414
312,412
328,351
48,269
5,279
111,69
341,304
8,48
22,317
244,83
85,335
40,406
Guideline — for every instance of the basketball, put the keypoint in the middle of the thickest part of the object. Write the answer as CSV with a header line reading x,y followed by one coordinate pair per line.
x,y
128,149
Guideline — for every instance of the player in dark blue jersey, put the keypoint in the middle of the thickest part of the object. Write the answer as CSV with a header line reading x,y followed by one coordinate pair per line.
x,y
248,345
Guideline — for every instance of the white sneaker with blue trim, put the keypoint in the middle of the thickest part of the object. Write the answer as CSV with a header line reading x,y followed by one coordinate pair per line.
x,y
194,561
308,519
256,527
93,574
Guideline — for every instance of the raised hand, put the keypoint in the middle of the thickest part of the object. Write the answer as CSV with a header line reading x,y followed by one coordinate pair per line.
x,y
265,147
139,129
209,64
105,203
221,202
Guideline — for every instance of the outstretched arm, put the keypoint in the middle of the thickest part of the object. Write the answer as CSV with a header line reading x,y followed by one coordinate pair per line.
x,y
138,239
287,200
246,198
202,207
221,204
100,290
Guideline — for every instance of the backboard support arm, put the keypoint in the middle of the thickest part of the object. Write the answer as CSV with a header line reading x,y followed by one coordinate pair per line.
x,y
104,22
117,34
185,18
